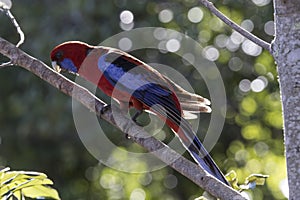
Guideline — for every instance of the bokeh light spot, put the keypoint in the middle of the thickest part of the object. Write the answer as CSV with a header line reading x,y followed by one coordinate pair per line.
x,y
188,59
195,15
211,53
162,46
237,38
204,36
160,33
241,155
126,17
110,181
261,148
251,131
248,25
125,44
170,181
221,40
259,84
92,173
165,16
216,24
231,46
138,194
146,179
173,45
249,105
235,64
274,118
126,27
244,85
251,48
261,2
254,166
269,28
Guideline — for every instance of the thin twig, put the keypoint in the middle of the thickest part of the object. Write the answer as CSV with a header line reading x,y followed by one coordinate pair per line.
x,y
6,64
210,6
16,24
19,30
117,119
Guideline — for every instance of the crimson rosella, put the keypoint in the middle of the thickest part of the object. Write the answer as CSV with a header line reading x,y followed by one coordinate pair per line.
x,y
135,83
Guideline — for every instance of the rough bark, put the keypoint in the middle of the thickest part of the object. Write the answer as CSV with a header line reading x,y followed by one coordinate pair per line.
x,y
286,51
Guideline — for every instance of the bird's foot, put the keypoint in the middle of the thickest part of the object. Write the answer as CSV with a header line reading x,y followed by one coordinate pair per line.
x,y
105,108
134,118
136,115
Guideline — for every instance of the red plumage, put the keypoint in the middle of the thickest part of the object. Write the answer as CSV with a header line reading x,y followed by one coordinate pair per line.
x,y
131,81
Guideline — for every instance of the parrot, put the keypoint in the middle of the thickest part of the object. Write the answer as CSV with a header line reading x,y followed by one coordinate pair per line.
x,y
133,83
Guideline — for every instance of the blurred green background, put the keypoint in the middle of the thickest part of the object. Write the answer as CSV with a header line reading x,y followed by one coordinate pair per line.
x,y
37,130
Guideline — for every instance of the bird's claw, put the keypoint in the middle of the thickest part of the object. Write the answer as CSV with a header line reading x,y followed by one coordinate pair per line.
x,y
134,118
105,108
136,115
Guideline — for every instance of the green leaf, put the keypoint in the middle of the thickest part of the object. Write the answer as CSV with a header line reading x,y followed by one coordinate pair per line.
x,y
19,175
232,179
253,180
22,183
259,179
40,191
7,177
4,170
17,185
250,182
18,195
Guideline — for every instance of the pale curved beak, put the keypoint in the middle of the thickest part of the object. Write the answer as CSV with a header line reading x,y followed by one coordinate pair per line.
x,y
55,66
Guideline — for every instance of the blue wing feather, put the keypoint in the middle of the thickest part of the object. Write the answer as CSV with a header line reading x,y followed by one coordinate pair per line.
x,y
148,92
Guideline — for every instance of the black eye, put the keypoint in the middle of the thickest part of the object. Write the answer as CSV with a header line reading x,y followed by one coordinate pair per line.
x,y
59,55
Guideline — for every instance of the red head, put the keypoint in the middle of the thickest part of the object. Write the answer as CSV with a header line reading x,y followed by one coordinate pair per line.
x,y
69,55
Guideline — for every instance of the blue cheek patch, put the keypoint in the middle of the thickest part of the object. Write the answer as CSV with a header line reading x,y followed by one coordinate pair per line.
x,y
68,65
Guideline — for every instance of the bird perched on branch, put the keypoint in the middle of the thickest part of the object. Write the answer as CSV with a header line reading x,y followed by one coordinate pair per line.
x,y
133,83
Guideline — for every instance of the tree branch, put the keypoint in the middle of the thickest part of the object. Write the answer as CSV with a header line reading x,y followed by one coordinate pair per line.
x,y
286,48
137,133
210,6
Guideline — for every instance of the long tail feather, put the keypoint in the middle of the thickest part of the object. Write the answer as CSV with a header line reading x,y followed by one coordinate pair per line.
x,y
184,131
198,152
205,160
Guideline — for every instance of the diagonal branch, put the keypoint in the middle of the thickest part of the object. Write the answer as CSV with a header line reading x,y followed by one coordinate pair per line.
x,y
210,6
137,133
